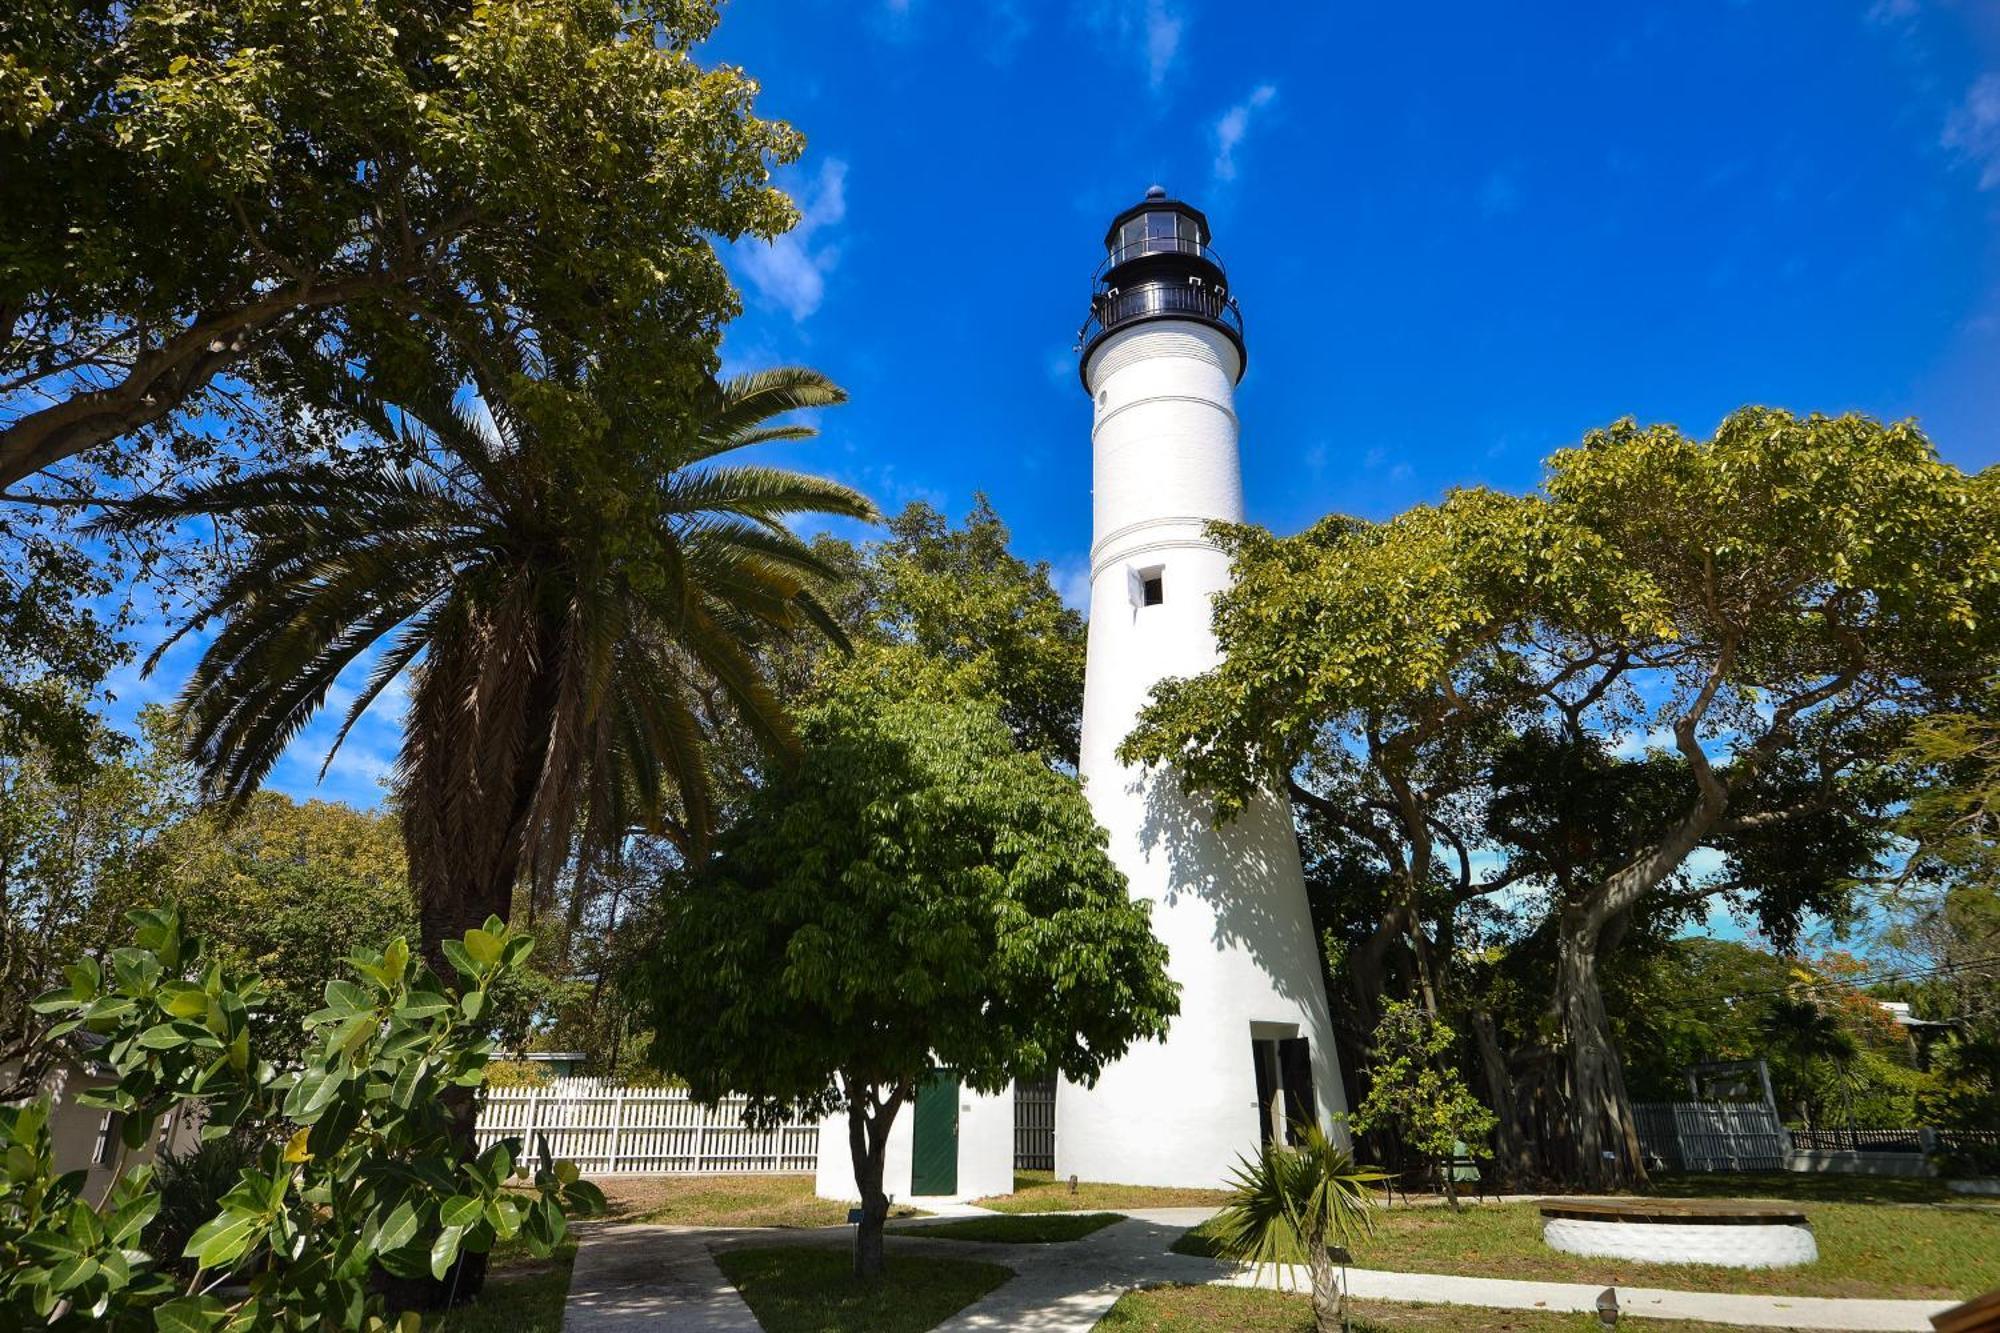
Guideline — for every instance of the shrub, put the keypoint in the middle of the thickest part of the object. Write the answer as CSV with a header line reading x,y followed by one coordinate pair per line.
x,y
364,1174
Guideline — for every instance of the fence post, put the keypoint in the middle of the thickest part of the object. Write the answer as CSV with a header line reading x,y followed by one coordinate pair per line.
x,y
617,1128
531,1126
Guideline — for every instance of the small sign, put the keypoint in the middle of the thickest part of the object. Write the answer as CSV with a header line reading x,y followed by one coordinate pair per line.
x,y
854,1216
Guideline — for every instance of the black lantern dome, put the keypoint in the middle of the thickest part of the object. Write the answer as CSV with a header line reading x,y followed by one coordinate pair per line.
x,y
1158,265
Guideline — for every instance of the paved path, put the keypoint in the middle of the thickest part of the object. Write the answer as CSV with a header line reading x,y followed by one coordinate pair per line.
x,y
665,1280
1795,1312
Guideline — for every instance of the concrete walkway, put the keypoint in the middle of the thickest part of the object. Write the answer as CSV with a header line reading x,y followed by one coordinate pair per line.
x,y
665,1280
1794,1312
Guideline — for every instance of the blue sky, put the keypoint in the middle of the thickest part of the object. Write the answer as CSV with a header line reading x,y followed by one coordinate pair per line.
x,y
1461,235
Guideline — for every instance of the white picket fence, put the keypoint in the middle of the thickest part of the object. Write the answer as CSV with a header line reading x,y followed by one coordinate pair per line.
x,y
614,1129
1712,1136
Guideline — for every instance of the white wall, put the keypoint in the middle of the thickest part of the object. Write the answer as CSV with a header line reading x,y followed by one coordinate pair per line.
x,y
1228,903
985,1152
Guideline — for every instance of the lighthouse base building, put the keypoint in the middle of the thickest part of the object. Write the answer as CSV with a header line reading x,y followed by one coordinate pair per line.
x,y
1251,1056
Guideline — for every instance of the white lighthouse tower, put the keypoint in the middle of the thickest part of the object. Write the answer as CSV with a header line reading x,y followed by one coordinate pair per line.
x,y
1252,1051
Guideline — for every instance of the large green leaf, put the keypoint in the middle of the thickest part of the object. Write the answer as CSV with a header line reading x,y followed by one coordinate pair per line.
x,y
399,1230
223,1240
445,1249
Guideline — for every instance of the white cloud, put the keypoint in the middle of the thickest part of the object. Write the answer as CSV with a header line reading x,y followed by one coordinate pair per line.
x,y
1973,129
1151,29
1234,124
791,271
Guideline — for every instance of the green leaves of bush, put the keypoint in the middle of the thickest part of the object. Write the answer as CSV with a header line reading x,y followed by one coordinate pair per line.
x,y
367,1176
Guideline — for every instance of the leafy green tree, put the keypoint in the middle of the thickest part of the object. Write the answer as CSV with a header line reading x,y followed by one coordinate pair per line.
x,y
80,821
558,605
1298,1204
1778,603
276,195
1416,1095
286,890
55,650
365,1172
917,896
960,597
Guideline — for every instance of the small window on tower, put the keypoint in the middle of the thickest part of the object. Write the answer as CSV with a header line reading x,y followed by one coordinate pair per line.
x,y
1151,591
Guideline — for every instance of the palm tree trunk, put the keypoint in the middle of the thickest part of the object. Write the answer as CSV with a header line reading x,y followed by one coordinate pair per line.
x,y
1326,1293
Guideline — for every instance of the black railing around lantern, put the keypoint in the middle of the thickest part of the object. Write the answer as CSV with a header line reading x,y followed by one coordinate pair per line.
x,y
1117,306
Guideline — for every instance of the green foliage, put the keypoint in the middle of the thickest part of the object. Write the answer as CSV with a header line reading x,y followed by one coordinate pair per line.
x,y
191,1185
364,1174
1776,606
574,602
961,598
79,846
63,1263
917,894
1291,1200
283,193
1415,1092
286,890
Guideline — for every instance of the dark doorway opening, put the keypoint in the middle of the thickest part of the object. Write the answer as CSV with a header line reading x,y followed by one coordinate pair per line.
x,y
1284,1088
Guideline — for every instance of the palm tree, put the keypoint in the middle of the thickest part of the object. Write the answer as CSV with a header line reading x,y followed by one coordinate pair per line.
x,y
561,606
1297,1205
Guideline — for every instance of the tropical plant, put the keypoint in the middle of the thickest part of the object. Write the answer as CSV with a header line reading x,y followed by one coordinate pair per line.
x,y
1298,1204
568,593
919,896
362,1172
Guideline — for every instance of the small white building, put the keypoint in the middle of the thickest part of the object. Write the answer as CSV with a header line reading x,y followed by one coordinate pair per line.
x,y
949,1145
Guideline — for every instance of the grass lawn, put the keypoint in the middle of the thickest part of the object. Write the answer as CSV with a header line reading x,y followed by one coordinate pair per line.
x,y
523,1294
805,1289
1865,1250
1041,1192
726,1201
1204,1309
1021,1229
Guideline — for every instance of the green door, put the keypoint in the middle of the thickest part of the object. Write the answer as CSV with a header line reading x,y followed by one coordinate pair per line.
x,y
934,1138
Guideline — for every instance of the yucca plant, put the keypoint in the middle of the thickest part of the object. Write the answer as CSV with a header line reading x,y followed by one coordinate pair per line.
x,y
1295,1205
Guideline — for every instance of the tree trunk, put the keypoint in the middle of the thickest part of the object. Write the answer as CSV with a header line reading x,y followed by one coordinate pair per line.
x,y
868,1123
1514,1162
1326,1293
1603,1129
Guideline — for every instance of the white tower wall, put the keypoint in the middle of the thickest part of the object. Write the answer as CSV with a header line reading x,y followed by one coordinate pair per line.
x,y
1229,903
